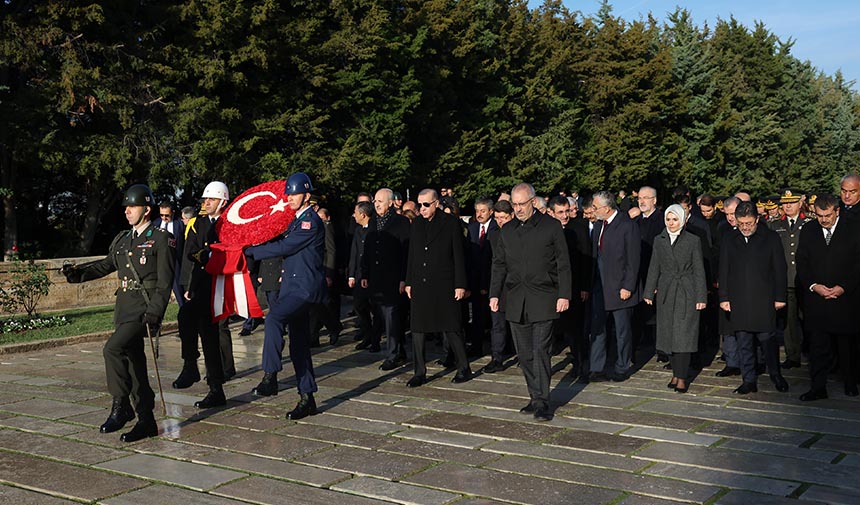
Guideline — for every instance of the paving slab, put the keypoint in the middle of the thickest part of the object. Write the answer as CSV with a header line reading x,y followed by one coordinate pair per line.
x,y
67,481
437,452
364,462
257,443
372,412
395,491
56,448
821,456
349,423
337,436
172,449
637,418
831,495
638,499
724,479
602,477
444,437
159,495
750,498
182,473
510,487
681,437
838,443
317,477
758,433
9,494
599,442
248,421
851,460
565,454
48,409
494,428
278,492
38,425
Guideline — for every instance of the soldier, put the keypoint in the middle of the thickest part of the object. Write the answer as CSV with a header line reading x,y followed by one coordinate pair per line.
x,y
143,258
788,228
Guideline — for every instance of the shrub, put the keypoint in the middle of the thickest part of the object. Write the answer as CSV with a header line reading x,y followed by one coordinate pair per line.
x,y
28,283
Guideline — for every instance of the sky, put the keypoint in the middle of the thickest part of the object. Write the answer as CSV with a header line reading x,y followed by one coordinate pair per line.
x,y
825,32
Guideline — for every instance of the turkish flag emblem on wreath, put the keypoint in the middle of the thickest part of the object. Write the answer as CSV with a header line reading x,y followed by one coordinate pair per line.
x,y
256,216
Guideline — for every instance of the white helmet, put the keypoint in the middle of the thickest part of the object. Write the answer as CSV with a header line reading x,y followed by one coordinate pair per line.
x,y
216,189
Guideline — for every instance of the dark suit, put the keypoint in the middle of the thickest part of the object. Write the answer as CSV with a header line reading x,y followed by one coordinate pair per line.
x,y
617,255
302,285
360,296
570,322
435,268
644,314
328,312
479,264
752,278
383,265
532,265
179,236
830,265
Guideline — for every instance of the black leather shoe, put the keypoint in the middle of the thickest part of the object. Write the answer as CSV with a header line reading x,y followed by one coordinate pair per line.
x,y
493,367
188,376
850,389
120,413
672,385
391,364
683,389
333,338
780,383
307,406
214,398
728,371
789,364
542,414
528,409
245,332
596,377
364,344
462,376
144,428
814,394
617,377
667,366
416,381
746,388
268,386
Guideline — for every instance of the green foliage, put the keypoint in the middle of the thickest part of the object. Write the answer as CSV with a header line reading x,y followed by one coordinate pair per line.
x,y
26,285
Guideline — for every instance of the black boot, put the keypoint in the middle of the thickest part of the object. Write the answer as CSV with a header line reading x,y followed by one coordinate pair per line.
x,y
307,406
215,398
188,376
268,386
120,413
146,427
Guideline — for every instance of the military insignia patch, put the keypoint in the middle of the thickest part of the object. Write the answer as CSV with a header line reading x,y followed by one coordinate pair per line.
x,y
306,225
171,242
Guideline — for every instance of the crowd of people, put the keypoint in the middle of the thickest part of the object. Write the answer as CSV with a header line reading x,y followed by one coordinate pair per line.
x,y
612,278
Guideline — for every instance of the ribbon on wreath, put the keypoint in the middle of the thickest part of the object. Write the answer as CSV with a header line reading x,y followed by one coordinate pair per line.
x,y
232,291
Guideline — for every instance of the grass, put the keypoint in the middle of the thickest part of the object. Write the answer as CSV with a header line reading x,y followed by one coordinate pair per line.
x,y
81,322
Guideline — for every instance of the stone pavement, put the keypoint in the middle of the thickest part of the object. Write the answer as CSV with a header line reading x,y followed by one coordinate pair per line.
x,y
376,441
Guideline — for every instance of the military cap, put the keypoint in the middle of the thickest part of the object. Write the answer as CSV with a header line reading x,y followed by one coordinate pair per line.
x,y
789,196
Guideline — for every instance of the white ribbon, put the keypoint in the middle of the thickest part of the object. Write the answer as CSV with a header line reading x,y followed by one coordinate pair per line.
x,y
218,297
240,295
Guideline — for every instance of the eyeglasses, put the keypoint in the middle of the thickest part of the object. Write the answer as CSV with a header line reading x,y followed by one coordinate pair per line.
x,y
427,204
521,204
164,215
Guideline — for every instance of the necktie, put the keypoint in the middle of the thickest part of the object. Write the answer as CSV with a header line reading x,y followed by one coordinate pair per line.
x,y
482,236
827,235
791,224
600,240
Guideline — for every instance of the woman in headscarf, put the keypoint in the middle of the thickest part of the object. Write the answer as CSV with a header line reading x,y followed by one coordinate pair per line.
x,y
676,286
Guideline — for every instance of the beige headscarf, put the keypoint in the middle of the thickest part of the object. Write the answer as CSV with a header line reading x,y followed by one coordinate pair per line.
x,y
682,215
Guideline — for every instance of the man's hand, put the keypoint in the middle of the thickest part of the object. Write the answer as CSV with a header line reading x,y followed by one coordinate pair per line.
x,y
835,292
408,290
726,306
459,293
562,304
701,306
625,295
351,282
328,281
152,322
187,295
778,305
822,291
364,283
71,273
402,287
583,295
648,301
494,304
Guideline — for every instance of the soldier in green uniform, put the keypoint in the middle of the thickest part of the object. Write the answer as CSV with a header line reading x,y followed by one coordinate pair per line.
x,y
143,258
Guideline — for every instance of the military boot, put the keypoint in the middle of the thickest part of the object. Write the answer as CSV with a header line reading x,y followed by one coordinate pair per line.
x,y
268,386
307,406
144,428
120,413
215,398
188,376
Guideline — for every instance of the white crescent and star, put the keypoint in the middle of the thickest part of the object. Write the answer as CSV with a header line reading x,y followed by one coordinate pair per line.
x,y
233,214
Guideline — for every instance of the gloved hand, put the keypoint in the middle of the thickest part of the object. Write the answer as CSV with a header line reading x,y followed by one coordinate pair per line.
x,y
200,257
71,273
153,322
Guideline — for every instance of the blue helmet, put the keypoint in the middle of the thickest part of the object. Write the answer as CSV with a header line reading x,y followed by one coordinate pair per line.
x,y
297,183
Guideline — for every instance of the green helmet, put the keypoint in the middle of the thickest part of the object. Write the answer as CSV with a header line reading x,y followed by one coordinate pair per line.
x,y
138,195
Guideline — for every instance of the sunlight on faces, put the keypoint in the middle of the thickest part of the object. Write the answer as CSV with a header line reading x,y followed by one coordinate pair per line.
x,y
647,201
827,217
561,213
523,204
850,191
707,211
729,210
382,202
747,225
297,201
673,222
791,209
482,213
213,206
427,206
134,214
502,218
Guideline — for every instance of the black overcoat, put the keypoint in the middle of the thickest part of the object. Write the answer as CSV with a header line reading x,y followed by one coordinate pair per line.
x,y
383,263
436,266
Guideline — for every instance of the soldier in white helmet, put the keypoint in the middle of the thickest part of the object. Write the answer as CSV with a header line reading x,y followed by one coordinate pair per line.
x,y
196,314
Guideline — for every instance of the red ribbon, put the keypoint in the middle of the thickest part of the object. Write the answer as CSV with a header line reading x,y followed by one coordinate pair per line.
x,y
232,291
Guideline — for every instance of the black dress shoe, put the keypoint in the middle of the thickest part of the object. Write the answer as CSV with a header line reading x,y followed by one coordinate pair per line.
x,y
333,338
528,409
683,389
446,362
391,364
268,386
596,377
364,344
416,381
672,385
245,332
789,364
667,366
462,376
493,367
728,371
780,383
144,428
850,389
214,398
618,377
120,413
542,414
188,376
307,406
746,388
814,394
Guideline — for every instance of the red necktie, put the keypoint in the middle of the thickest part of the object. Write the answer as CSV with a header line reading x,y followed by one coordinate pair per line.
x,y
600,240
482,235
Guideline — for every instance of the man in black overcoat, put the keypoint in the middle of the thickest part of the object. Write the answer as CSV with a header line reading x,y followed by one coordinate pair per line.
x,y
478,266
532,264
752,288
828,273
436,283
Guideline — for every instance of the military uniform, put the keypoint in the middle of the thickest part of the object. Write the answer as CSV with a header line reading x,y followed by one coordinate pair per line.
x,y
144,263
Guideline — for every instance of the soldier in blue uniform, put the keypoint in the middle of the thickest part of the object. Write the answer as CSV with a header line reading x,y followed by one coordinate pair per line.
x,y
143,258
302,285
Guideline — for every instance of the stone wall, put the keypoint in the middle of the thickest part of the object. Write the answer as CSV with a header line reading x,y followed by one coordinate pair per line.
x,y
64,296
